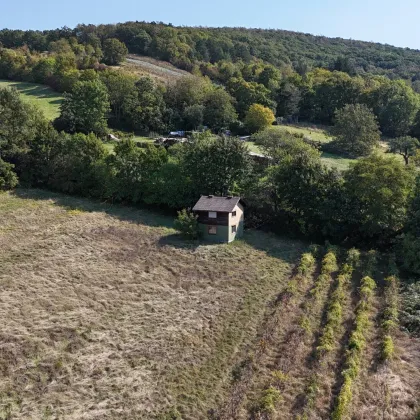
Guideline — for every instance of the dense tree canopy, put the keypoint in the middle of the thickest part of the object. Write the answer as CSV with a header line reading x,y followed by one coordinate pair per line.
x,y
186,46
85,109
378,189
114,51
258,117
356,130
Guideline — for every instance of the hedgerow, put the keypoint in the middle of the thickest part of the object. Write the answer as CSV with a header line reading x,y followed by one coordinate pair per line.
x,y
355,349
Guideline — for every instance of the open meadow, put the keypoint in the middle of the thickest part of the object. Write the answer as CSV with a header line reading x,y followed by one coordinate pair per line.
x,y
106,313
42,96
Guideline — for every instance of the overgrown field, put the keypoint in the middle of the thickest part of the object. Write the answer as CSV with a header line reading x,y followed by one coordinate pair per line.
x,y
40,95
107,314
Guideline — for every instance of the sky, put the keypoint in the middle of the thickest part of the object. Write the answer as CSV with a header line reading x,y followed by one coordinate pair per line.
x,y
385,21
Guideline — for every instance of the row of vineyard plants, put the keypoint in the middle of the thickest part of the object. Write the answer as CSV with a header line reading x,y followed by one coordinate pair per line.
x,y
327,340
357,344
271,395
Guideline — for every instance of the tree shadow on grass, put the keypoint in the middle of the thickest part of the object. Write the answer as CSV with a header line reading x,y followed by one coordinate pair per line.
x,y
281,247
284,248
177,241
140,215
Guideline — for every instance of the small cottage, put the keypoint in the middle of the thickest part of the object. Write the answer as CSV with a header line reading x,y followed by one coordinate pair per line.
x,y
220,219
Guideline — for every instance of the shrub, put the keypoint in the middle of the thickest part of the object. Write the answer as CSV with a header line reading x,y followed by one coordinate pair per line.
x,y
329,263
353,257
410,309
267,403
172,414
387,348
8,179
187,224
306,264
315,250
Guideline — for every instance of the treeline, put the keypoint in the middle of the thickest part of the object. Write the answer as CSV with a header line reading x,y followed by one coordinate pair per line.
x,y
189,47
315,95
375,203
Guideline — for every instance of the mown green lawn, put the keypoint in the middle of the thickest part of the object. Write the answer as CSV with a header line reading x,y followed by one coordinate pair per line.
x,y
42,96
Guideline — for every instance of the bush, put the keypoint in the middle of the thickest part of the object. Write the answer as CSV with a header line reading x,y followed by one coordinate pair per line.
x,y
267,403
329,263
306,264
8,179
187,224
387,348
410,309
353,257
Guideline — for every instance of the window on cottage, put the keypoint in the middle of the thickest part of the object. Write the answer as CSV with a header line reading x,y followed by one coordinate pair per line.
x,y
234,229
234,214
212,230
212,214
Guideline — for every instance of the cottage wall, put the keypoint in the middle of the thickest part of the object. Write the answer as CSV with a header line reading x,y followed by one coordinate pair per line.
x,y
237,221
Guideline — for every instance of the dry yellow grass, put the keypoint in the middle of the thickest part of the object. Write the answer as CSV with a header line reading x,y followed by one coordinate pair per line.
x,y
106,314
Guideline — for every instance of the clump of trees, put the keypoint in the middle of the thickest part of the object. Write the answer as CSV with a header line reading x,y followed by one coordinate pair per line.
x,y
374,203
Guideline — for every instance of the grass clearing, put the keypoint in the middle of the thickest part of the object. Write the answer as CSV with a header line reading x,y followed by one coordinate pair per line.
x,y
107,313
42,96
157,69
315,132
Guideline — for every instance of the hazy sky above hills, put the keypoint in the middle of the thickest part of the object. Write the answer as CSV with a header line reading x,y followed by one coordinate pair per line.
x,y
384,21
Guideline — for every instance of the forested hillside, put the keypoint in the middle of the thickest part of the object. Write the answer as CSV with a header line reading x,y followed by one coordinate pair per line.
x,y
188,46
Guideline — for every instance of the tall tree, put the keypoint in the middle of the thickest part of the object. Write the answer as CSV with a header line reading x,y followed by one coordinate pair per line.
x,y
120,86
85,109
396,105
356,130
216,165
219,112
18,124
144,108
410,243
258,117
405,146
114,51
378,190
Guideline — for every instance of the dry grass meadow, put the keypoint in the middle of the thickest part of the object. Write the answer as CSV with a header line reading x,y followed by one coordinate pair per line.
x,y
107,314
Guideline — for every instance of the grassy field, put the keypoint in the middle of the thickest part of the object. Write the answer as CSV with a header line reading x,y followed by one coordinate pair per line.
x,y
40,95
107,314
315,132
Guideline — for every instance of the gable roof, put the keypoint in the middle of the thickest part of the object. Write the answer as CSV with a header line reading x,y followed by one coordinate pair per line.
x,y
212,203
